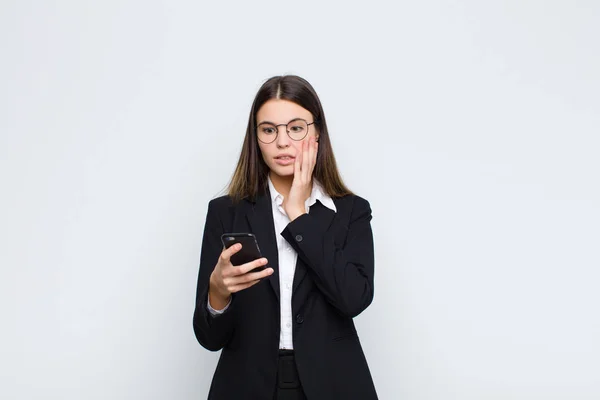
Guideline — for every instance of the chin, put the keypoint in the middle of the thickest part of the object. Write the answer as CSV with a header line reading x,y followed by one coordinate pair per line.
x,y
280,170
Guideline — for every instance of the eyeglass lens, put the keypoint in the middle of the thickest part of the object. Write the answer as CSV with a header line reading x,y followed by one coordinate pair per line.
x,y
296,129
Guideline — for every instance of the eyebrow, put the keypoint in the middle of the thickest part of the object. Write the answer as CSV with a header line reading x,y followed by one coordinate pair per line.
x,y
273,123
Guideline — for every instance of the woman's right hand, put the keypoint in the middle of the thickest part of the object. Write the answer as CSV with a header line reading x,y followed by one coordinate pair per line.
x,y
227,279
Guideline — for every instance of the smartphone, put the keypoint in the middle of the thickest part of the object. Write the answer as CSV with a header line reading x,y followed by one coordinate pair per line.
x,y
249,252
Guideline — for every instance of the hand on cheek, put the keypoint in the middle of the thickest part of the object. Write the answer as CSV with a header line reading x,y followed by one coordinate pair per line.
x,y
304,165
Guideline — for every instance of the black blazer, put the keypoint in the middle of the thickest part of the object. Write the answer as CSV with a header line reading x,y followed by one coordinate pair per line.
x,y
333,283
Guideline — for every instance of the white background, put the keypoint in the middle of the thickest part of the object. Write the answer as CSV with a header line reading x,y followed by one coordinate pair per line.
x,y
472,128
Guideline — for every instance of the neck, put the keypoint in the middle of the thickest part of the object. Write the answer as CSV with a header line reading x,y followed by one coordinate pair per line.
x,y
282,184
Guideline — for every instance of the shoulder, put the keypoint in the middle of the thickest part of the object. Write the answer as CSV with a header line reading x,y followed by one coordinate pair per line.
x,y
226,207
352,200
220,203
220,207
353,205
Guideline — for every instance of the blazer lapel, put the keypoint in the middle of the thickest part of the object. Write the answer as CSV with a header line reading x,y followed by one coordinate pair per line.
x,y
323,217
260,218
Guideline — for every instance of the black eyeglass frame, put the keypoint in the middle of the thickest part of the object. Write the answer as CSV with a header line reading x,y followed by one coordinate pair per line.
x,y
286,129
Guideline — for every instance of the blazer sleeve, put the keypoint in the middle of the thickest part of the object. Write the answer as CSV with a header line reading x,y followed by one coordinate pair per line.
x,y
212,331
344,275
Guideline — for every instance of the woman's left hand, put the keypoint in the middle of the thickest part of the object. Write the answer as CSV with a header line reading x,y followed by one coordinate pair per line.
x,y
304,166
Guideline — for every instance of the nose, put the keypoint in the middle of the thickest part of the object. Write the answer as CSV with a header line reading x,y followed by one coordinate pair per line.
x,y
283,140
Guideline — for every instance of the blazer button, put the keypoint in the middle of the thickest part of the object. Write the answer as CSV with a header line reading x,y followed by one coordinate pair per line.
x,y
299,238
299,319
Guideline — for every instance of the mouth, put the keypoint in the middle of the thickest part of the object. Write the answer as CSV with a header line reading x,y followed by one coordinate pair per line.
x,y
285,159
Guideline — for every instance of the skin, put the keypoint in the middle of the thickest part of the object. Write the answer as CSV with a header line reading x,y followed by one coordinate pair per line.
x,y
293,181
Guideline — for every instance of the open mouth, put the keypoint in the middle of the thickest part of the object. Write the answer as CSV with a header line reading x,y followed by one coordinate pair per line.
x,y
285,159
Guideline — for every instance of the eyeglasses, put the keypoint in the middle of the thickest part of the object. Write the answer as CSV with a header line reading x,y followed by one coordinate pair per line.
x,y
297,129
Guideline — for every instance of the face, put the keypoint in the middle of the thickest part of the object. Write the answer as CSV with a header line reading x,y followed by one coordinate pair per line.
x,y
280,154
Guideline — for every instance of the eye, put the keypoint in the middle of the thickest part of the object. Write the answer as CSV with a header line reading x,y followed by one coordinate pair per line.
x,y
296,129
267,130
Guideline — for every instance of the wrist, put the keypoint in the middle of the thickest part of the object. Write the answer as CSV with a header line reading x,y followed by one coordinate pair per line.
x,y
295,212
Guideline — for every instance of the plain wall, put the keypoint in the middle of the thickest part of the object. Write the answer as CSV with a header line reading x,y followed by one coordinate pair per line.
x,y
471,127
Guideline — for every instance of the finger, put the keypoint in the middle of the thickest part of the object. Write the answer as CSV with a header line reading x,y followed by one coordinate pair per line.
x,y
307,167
249,277
227,253
316,153
243,286
311,162
245,268
236,271
298,163
305,156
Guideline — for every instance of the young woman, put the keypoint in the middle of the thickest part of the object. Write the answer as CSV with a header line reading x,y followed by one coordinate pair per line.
x,y
286,332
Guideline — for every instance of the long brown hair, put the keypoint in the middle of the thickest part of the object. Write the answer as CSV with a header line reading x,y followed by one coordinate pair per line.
x,y
250,176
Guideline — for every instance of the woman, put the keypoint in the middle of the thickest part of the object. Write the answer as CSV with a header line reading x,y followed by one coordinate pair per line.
x,y
287,331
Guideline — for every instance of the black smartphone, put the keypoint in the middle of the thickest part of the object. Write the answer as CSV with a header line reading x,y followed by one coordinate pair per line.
x,y
249,252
